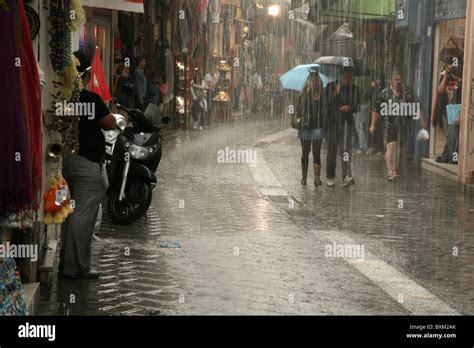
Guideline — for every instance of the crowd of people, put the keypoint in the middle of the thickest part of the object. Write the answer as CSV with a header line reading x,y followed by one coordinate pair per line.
x,y
145,90
337,112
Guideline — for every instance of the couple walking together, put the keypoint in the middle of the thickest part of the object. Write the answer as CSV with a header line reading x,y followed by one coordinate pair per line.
x,y
327,113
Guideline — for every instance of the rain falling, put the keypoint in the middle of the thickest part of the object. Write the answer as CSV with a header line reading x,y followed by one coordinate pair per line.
x,y
237,157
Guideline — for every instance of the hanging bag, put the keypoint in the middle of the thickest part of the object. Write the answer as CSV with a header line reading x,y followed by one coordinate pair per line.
x,y
453,111
296,116
447,53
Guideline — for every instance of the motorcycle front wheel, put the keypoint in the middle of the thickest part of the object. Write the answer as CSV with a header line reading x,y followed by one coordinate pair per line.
x,y
133,206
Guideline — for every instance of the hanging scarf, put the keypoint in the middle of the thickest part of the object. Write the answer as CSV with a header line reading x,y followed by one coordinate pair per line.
x,y
20,134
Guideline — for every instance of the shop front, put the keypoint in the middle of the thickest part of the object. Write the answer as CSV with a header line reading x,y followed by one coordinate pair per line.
x,y
113,28
35,198
466,138
448,57
449,44
44,75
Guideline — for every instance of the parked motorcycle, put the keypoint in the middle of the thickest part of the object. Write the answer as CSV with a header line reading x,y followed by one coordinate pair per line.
x,y
136,155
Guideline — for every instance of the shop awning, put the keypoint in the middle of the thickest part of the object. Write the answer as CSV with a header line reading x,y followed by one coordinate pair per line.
x,y
358,9
120,5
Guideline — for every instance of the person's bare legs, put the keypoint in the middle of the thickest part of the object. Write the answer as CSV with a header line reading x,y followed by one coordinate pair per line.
x,y
398,158
389,157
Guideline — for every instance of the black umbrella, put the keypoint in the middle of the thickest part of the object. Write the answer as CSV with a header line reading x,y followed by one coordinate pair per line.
x,y
356,67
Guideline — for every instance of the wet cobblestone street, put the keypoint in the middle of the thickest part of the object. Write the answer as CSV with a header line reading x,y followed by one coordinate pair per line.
x,y
252,240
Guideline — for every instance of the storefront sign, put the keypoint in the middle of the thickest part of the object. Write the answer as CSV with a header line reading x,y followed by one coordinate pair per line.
x,y
121,5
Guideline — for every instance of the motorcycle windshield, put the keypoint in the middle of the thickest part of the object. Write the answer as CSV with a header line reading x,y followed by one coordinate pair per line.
x,y
153,115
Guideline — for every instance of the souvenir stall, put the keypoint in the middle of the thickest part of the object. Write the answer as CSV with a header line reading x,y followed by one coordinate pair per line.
x,y
20,140
60,128
34,197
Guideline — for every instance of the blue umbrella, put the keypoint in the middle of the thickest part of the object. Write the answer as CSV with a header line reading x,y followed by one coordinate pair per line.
x,y
295,78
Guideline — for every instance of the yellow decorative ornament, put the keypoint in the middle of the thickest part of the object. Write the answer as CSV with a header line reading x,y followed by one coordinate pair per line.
x,y
79,17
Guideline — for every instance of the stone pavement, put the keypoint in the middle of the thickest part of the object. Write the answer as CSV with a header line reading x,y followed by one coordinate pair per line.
x,y
423,224
254,241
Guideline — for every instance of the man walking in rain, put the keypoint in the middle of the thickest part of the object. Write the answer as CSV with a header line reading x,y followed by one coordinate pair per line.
x,y
343,98
399,107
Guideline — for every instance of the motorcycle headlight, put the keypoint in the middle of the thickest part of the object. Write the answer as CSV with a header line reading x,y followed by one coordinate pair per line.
x,y
138,152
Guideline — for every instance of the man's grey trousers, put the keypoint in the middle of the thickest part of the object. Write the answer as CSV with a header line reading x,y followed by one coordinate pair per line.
x,y
87,182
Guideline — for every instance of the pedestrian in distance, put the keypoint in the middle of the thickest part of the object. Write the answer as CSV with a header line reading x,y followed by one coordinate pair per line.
x,y
140,82
153,93
309,120
362,119
164,90
375,141
199,107
257,85
123,79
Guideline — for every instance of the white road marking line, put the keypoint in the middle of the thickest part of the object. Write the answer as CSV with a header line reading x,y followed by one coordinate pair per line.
x,y
267,182
402,289
398,286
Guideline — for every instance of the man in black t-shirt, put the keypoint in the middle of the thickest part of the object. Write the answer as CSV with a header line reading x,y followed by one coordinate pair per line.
x,y
91,138
399,107
85,174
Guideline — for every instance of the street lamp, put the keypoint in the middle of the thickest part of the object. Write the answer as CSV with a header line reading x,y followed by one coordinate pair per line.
x,y
274,10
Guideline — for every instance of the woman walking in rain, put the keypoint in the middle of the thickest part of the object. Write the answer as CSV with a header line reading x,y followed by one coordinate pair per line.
x,y
309,120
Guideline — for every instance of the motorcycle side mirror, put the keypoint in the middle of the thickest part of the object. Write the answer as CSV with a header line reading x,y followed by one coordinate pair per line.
x,y
166,120
127,89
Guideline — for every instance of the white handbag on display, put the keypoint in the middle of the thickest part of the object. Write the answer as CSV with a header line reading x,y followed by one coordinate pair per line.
x,y
423,135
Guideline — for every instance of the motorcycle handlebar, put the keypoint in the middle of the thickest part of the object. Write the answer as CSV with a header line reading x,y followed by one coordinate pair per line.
x,y
121,107
137,115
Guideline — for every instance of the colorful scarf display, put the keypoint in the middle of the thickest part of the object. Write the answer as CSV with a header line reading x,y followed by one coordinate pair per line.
x,y
11,291
20,131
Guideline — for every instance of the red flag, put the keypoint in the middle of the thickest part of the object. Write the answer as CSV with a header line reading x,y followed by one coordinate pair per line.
x,y
98,83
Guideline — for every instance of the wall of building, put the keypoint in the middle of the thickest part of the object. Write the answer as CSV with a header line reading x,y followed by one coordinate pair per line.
x,y
466,147
415,20
445,31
